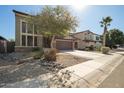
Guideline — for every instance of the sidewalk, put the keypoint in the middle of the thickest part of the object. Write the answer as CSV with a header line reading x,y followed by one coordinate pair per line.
x,y
87,74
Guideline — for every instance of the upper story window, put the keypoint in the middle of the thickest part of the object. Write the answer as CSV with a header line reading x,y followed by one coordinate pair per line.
x,y
91,37
97,38
23,27
35,29
30,28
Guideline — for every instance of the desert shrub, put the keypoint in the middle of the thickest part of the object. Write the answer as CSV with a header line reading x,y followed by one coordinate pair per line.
x,y
105,50
98,48
50,55
91,48
57,51
38,54
86,49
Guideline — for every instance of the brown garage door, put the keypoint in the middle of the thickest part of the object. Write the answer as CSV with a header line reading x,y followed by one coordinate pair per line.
x,y
64,45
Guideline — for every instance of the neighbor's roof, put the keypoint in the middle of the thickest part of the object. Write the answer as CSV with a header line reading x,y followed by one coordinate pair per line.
x,y
2,38
85,31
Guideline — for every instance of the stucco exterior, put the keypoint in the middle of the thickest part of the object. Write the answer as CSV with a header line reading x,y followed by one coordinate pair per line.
x,y
19,18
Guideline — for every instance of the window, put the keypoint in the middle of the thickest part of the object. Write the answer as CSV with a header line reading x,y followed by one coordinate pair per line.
x,y
23,27
35,29
30,28
97,37
30,41
91,37
23,40
85,38
35,41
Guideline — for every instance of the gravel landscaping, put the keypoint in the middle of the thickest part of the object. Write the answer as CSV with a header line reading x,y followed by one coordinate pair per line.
x,y
11,72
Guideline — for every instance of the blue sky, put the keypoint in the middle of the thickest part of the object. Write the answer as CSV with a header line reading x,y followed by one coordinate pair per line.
x,y
88,17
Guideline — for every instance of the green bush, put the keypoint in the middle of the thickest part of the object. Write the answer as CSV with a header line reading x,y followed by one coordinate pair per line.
x,y
91,48
98,48
105,50
50,55
86,49
35,49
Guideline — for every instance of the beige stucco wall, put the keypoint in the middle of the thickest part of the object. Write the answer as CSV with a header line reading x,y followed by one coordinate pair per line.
x,y
17,30
68,37
81,44
18,19
80,36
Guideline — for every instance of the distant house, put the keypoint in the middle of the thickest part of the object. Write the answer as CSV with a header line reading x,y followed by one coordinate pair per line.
x,y
85,39
3,44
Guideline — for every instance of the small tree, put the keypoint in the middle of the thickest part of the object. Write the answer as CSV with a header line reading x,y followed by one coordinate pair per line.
x,y
114,37
54,21
105,23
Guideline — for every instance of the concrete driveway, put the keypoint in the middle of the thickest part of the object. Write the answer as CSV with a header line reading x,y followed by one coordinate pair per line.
x,y
86,54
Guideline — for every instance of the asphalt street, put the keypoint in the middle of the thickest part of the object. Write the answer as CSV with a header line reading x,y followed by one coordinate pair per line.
x,y
115,79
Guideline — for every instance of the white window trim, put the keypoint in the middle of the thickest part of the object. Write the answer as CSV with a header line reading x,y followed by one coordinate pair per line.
x,y
26,34
22,33
33,35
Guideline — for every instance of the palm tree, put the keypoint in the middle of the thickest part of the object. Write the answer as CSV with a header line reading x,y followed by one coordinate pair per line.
x,y
105,23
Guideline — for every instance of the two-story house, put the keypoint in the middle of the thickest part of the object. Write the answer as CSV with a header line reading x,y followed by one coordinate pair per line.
x,y
86,39
27,36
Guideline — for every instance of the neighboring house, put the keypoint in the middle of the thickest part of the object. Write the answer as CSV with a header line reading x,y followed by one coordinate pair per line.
x,y
86,39
3,44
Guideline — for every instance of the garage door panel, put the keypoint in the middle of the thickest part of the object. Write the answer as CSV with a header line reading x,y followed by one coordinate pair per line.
x,y
64,45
